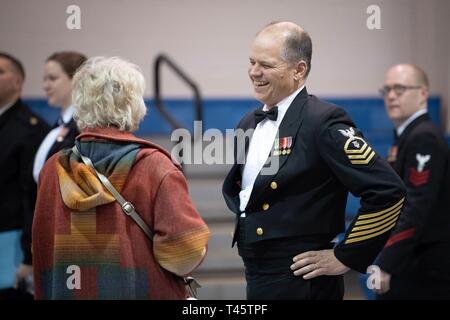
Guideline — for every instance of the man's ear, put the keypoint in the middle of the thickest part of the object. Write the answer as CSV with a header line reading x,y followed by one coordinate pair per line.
x,y
424,93
300,70
18,82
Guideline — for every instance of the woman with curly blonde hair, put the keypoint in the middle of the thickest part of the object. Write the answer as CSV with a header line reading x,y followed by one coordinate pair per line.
x,y
85,244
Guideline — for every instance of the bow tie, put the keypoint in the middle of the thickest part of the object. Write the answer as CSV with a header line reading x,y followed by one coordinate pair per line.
x,y
272,114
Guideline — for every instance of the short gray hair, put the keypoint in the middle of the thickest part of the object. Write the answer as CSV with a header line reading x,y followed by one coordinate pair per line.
x,y
298,46
108,92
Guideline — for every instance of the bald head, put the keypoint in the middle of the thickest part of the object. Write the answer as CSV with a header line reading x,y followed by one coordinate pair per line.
x,y
282,27
413,74
297,43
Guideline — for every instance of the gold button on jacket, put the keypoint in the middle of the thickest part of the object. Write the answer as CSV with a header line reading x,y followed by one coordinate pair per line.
x,y
259,231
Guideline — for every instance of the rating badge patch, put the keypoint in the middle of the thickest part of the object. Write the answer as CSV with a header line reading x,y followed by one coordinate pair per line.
x,y
419,176
356,149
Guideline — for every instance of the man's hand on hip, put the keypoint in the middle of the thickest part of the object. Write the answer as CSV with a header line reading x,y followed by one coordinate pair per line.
x,y
312,264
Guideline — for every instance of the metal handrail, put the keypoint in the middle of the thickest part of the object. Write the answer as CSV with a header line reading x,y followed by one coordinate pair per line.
x,y
162,58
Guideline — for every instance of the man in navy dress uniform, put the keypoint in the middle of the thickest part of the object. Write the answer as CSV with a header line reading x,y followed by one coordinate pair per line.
x,y
21,132
289,196
415,262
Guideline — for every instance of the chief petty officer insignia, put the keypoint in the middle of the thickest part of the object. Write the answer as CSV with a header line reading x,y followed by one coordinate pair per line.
x,y
356,149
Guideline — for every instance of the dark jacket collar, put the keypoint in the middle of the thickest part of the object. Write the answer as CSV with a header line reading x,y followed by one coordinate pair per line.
x,y
15,109
423,118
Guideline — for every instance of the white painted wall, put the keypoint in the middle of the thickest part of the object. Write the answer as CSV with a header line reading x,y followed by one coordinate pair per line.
x,y
211,38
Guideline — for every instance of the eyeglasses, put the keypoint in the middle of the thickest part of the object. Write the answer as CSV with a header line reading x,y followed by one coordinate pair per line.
x,y
398,89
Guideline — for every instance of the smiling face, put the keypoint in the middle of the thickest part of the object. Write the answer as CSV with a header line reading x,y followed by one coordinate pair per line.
x,y
57,85
272,77
400,107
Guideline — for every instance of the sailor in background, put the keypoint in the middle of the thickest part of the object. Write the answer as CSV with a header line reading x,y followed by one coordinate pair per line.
x,y
415,262
21,132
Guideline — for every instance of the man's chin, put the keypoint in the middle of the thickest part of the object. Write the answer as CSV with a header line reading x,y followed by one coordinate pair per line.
x,y
397,120
394,116
260,97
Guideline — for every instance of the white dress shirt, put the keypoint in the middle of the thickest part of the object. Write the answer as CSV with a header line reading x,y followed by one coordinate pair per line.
x,y
48,142
259,149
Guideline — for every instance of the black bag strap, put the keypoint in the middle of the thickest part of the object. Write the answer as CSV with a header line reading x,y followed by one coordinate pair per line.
x,y
127,207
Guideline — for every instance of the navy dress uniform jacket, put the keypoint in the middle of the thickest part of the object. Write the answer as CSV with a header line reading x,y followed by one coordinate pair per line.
x,y
21,132
328,157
